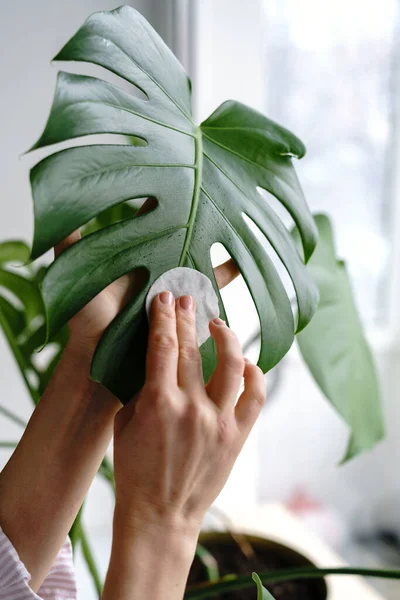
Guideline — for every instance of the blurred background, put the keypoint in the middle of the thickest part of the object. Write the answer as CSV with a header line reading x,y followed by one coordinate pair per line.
x,y
328,71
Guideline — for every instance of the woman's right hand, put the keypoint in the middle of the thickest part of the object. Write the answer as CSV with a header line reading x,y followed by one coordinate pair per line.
x,y
175,446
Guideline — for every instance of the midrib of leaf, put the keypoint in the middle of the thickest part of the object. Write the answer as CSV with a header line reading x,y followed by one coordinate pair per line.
x,y
198,167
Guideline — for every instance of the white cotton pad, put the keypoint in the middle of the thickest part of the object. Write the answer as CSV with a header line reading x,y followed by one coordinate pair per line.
x,y
183,281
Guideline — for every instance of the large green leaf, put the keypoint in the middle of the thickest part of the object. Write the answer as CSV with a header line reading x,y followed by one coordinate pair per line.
x,y
205,178
336,351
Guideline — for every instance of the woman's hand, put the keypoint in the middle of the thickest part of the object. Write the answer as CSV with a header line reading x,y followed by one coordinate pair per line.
x,y
174,448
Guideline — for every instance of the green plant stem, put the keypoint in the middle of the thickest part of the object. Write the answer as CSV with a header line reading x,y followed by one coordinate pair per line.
x,y
75,531
107,472
208,561
12,416
233,582
18,356
89,558
8,444
77,534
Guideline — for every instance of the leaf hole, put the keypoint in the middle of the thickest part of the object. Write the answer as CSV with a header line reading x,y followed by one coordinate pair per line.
x,y
278,208
33,378
92,139
127,209
41,360
239,306
92,70
276,261
132,284
11,298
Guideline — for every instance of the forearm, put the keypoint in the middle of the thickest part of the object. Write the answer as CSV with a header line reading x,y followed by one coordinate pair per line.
x,y
150,561
47,477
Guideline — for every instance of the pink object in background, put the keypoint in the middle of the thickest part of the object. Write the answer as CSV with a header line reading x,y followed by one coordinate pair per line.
x,y
325,521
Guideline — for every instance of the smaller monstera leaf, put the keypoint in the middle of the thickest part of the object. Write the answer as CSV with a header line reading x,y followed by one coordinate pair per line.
x,y
205,179
336,350
22,315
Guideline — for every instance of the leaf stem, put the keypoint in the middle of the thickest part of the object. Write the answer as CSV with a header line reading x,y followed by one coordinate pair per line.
x,y
18,356
89,558
234,582
106,471
12,416
208,561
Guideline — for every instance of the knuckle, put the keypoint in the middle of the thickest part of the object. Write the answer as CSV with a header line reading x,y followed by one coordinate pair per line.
x,y
259,397
225,430
161,398
189,353
187,317
193,412
167,313
234,362
162,342
198,417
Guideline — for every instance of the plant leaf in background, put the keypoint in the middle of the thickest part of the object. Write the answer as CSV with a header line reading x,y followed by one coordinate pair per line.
x,y
22,316
204,178
336,350
262,593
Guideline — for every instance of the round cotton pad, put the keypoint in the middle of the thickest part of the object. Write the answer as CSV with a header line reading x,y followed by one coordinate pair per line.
x,y
183,281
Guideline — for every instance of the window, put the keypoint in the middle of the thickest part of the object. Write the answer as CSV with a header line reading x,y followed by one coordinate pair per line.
x,y
331,69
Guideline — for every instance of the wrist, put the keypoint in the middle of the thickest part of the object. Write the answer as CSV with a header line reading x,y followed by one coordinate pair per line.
x,y
142,547
172,534
78,356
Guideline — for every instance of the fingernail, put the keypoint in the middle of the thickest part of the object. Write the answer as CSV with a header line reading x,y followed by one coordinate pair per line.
x,y
186,302
166,298
247,361
218,321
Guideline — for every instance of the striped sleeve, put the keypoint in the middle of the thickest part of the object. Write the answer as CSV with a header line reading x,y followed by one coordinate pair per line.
x,y
14,578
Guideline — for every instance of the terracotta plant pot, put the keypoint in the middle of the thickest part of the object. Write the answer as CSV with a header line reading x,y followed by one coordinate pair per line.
x,y
243,554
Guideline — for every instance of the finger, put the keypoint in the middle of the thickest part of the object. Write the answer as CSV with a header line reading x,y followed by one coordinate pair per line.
x,y
162,352
71,239
226,379
226,273
252,399
189,363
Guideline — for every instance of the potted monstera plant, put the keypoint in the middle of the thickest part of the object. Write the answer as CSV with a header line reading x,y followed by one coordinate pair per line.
x,y
204,181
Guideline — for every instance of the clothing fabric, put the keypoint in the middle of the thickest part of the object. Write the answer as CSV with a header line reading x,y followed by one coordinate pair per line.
x,y
59,584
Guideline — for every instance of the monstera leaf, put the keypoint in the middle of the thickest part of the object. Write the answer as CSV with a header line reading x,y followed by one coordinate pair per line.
x,y
336,351
205,179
